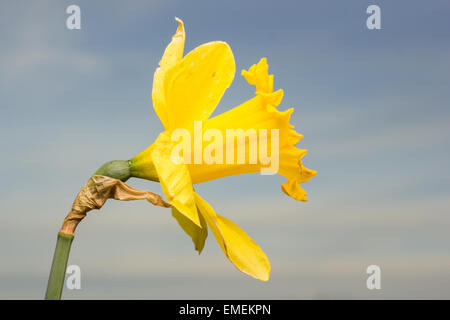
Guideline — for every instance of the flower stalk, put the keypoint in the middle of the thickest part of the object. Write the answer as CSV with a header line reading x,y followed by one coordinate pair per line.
x,y
59,265
117,169
107,182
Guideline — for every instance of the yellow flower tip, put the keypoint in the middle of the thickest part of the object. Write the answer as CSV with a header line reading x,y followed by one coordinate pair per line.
x,y
258,75
286,116
297,135
263,272
174,50
302,153
265,277
293,189
306,174
180,29
292,186
171,57
311,172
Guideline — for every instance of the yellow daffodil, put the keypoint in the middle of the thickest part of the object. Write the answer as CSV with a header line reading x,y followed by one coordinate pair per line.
x,y
186,90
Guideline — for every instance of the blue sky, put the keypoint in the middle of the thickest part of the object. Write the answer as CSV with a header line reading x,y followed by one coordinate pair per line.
x,y
372,106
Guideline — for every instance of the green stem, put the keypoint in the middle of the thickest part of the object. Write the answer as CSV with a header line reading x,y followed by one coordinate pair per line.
x,y
59,264
117,169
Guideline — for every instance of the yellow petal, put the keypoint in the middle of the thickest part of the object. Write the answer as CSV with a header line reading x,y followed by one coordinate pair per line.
x,y
237,246
174,178
197,234
194,87
172,55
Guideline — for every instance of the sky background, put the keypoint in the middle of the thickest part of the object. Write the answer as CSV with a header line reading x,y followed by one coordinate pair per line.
x,y
373,106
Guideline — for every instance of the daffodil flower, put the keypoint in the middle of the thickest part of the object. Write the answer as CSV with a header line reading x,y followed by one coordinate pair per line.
x,y
187,90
